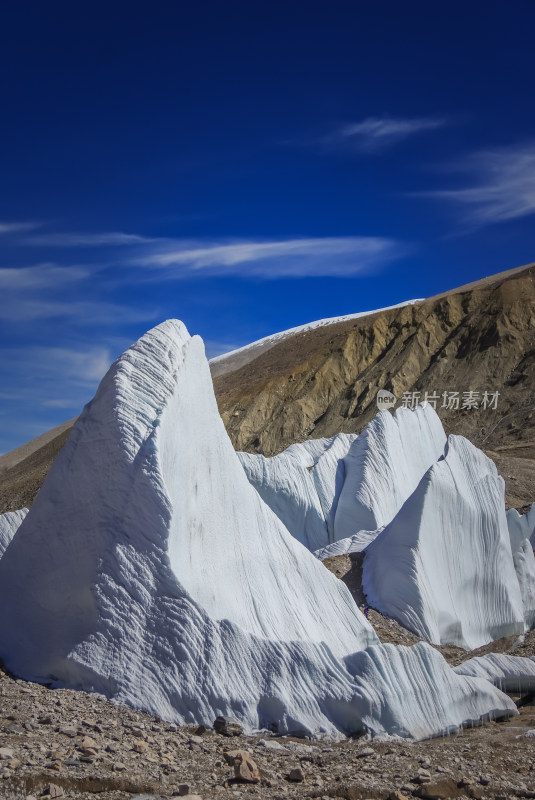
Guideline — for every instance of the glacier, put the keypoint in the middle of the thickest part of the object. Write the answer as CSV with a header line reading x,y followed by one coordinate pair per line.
x,y
10,522
522,526
522,536
411,679
444,566
385,465
440,554
165,565
353,544
508,673
150,570
521,553
302,485
524,563
326,490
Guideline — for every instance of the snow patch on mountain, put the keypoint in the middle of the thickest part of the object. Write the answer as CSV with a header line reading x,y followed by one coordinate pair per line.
x,y
244,355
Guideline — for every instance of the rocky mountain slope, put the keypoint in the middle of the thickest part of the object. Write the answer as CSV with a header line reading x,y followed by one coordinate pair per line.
x,y
22,471
323,380
477,338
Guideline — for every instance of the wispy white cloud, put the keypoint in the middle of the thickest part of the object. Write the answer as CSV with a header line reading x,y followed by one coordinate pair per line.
x,y
378,133
48,291
48,377
58,369
61,402
289,258
10,396
59,311
40,276
112,239
7,228
502,186
85,313
172,258
81,366
48,385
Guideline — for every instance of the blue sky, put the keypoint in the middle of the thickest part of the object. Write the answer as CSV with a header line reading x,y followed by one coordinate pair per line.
x,y
246,167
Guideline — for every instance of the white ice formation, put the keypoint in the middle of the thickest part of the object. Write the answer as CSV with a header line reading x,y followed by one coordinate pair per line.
x,y
441,556
385,465
150,570
508,673
418,677
302,485
522,526
9,524
443,567
325,490
520,535
353,544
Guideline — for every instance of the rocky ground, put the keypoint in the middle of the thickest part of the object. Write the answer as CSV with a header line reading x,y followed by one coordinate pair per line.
x,y
62,743
390,631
